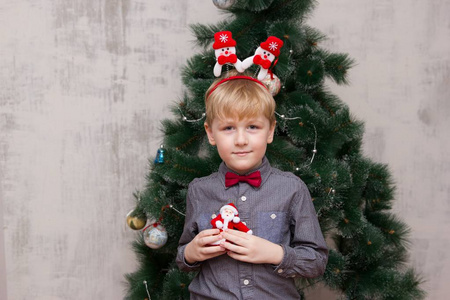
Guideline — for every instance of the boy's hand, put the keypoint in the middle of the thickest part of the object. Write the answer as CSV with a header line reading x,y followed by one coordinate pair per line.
x,y
199,250
249,248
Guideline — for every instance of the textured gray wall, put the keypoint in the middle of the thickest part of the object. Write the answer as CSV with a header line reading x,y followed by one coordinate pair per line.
x,y
85,83
401,89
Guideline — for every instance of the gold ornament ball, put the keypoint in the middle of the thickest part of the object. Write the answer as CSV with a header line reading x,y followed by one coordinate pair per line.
x,y
134,222
273,85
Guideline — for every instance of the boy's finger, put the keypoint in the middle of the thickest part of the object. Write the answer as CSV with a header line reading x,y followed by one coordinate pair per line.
x,y
210,239
213,250
233,248
208,232
238,233
233,238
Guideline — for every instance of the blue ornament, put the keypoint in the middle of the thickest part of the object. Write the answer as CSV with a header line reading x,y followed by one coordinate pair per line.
x,y
159,159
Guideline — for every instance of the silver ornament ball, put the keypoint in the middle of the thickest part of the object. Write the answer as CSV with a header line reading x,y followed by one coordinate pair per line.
x,y
272,84
224,4
155,236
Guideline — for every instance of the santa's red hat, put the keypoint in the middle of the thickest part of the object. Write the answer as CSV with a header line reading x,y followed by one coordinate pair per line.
x,y
273,45
223,39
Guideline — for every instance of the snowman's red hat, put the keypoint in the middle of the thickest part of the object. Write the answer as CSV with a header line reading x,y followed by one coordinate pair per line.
x,y
223,39
273,45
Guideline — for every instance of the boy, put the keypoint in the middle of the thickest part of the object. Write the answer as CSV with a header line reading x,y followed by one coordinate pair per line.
x,y
286,240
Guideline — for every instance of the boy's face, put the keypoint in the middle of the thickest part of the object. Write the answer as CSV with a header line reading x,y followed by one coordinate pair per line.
x,y
241,143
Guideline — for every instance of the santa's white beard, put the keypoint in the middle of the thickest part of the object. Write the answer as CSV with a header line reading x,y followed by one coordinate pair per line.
x,y
226,220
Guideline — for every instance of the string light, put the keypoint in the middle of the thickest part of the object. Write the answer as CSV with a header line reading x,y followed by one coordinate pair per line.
x,y
289,61
185,119
287,118
314,151
315,143
331,191
146,288
172,207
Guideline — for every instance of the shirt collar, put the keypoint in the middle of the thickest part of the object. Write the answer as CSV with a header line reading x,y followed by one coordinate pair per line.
x,y
264,168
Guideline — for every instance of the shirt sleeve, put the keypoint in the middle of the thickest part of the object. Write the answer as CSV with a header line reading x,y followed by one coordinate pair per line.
x,y
189,232
307,254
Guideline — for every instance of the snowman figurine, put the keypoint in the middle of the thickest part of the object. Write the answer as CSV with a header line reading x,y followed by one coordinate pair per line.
x,y
225,50
265,54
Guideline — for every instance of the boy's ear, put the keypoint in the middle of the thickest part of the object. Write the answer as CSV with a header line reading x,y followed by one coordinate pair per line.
x,y
210,135
271,132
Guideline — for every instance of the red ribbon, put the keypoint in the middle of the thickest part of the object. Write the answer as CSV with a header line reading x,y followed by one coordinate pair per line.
x,y
254,179
258,60
232,58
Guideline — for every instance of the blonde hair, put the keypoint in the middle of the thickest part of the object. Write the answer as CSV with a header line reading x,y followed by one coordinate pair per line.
x,y
239,98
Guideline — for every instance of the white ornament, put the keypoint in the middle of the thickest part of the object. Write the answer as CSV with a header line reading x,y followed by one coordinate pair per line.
x,y
224,4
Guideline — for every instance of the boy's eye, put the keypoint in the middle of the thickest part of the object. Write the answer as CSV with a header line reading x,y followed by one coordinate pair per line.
x,y
228,128
253,127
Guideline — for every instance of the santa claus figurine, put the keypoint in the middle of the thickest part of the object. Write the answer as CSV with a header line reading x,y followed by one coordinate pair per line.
x,y
225,50
265,54
229,219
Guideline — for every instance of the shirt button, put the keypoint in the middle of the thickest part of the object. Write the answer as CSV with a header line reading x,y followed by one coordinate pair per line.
x,y
243,198
273,216
246,282
280,271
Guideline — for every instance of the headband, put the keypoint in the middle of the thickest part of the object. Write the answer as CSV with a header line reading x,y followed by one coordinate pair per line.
x,y
233,78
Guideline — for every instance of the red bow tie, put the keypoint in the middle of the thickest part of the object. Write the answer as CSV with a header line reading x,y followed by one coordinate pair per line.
x,y
254,179
232,58
258,60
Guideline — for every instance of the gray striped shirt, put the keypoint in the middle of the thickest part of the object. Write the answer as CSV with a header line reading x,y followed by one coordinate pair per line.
x,y
280,211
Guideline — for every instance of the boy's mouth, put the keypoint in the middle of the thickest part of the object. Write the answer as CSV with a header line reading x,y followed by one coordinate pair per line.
x,y
241,153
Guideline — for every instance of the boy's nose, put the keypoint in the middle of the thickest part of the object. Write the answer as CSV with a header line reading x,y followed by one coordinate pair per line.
x,y
241,138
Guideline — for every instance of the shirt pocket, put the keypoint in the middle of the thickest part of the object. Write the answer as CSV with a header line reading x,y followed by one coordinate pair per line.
x,y
272,226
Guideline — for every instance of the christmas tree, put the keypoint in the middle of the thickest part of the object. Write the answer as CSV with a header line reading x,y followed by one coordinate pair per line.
x,y
316,138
